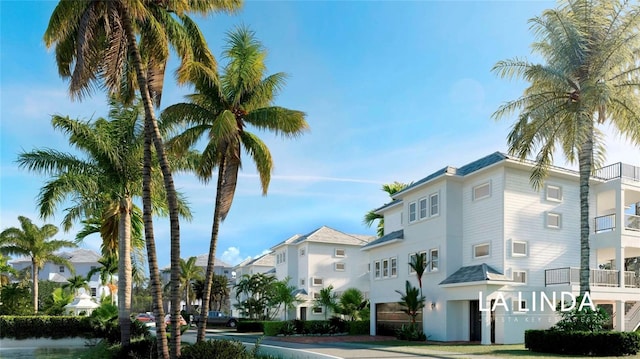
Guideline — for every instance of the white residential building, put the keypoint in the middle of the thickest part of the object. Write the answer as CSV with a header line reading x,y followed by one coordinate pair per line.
x,y
490,238
319,259
262,264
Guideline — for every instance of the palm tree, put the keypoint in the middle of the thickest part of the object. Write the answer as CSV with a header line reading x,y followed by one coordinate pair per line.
x,y
97,46
222,111
219,290
101,185
108,268
589,77
284,296
411,301
419,265
75,283
372,216
35,242
327,299
352,302
189,272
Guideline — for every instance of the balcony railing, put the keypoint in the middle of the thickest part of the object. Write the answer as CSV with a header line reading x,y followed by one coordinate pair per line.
x,y
619,170
607,223
597,277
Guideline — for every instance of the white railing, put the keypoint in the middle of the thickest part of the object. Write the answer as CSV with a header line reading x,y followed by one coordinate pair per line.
x,y
632,318
631,222
619,170
605,223
597,277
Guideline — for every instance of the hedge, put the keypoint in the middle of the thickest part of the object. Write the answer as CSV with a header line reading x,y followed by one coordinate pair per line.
x,y
250,326
54,327
272,329
359,327
583,343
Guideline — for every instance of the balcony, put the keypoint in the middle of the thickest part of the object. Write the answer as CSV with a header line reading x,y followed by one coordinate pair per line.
x,y
598,277
619,170
607,223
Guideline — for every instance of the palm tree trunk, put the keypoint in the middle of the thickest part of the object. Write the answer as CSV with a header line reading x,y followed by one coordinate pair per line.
x,y
208,283
34,278
154,273
124,271
585,163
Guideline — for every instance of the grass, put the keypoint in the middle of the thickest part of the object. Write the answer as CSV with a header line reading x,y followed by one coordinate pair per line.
x,y
499,351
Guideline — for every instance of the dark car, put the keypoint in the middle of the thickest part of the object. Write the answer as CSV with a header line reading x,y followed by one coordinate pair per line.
x,y
218,318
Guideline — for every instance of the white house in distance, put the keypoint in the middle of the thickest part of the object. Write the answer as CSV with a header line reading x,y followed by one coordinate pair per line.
x,y
319,259
82,260
490,238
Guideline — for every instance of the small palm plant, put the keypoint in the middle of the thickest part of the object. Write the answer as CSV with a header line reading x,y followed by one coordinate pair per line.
x,y
411,301
327,300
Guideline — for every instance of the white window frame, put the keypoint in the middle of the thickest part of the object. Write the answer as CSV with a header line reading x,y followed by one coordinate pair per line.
x,y
413,205
521,272
513,249
558,217
411,255
475,246
336,254
317,310
385,268
337,265
433,213
316,295
551,188
423,208
432,267
480,186
393,267
301,281
94,291
302,252
377,267
315,283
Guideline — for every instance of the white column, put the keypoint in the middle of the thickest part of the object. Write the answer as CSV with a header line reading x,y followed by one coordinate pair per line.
x,y
372,318
486,327
620,265
619,309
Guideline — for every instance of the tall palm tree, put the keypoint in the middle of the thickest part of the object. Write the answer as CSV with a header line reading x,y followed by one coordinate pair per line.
x,y
221,111
189,272
35,242
372,216
124,45
589,78
101,184
219,291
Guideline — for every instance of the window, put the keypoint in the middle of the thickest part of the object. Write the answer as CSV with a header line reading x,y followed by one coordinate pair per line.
x,y
554,220
434,202
423,207
554,193
394,267
412,259
376,266
434,260
340,252
519,276
339,267
301,281
61,269
316,295
385,268
368,267
519,306
482,191
481,250
301,252
317,310
280,258
316,281
412,212
519,249
94,292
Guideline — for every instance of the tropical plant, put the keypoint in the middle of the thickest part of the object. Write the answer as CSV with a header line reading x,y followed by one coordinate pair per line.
x,y
372,215
221,111
15,299
57,301
327,300
6,271
255,294
284,296
411,301
589,78
101,184
353,304
189,272
35,243
120,45
75,283
418,264
220,291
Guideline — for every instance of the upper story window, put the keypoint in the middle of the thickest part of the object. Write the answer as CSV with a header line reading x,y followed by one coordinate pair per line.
x,y
376,267
481,250
394,266
423,207
301,252
316,281
554,193
412,257
301,281
434,260
94,292
519,276
316,295
61,269
434,205
339,267
413,214
385,268
340,252
482,191
554,220
519,249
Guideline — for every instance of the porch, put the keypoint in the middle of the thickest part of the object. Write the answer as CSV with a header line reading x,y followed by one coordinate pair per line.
x,y
597,277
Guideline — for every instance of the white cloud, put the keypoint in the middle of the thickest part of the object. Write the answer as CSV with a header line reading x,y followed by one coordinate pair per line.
x,y
232,256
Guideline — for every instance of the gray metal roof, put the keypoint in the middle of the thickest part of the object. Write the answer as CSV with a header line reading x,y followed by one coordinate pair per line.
x,y
386,238
476,273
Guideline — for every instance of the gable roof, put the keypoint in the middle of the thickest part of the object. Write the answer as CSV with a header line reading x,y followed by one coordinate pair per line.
x,y
476,273
386,239
326,234
80,255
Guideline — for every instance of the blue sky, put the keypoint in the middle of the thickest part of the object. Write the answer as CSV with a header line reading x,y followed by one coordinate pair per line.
x,y
393,91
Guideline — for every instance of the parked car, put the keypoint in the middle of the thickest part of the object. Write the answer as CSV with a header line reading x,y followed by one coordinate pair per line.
x,y
145,317
167,320
218,318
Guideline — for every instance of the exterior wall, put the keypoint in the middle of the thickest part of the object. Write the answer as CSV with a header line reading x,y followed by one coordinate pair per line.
x,y
393,219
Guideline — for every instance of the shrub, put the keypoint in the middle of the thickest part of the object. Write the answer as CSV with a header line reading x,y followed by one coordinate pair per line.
x,y
410,332
249,326
338,325
359,327
145,348
272,328
386,330
288,328
586,319
216,349
582,343
45,327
